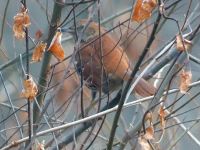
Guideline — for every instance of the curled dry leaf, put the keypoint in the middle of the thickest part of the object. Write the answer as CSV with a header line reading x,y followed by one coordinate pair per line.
x,y
30,89
144,145
149,117
143,9
38,52
182,44
185,80
56,48
150,130
39,145
149,135
162,115
38,34
21,20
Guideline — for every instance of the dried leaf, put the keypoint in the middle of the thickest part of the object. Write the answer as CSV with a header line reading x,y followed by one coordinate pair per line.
x,y
185,80
40,146
30,89
18,32
149,117
162,115
38,52
143,9
56,48
182,44
144,145
149,133
38,34
149,130
21,20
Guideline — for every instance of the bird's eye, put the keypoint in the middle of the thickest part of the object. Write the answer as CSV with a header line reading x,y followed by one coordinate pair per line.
x,y
59,29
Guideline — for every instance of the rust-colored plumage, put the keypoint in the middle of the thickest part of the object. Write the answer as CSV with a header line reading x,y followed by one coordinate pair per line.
x,y
111,55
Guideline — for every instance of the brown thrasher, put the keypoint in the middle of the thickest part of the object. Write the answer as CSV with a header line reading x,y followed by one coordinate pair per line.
x,y
107,52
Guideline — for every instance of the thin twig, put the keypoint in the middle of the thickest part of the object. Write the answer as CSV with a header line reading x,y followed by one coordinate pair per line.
x,y
46,61
121,102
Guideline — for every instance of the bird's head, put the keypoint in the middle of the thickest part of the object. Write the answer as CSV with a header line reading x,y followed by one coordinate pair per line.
x,y
86,29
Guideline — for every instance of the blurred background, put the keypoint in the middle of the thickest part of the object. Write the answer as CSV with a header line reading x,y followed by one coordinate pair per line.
x,y
64,92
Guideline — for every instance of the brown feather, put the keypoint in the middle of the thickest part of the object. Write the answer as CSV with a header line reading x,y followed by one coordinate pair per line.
x,y
114,59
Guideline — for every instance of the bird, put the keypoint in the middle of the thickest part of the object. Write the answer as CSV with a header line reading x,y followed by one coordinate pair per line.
x,y
102,61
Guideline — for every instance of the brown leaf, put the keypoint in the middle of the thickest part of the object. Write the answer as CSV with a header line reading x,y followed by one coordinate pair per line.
x,y
38,34
38,52
143,9
182,44
185,80
162,115
149,117
40,146
144,145
30,89
21,20
18,31
56,48
149,135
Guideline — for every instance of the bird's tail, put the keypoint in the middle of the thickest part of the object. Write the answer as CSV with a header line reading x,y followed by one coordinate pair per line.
x,y
143,87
